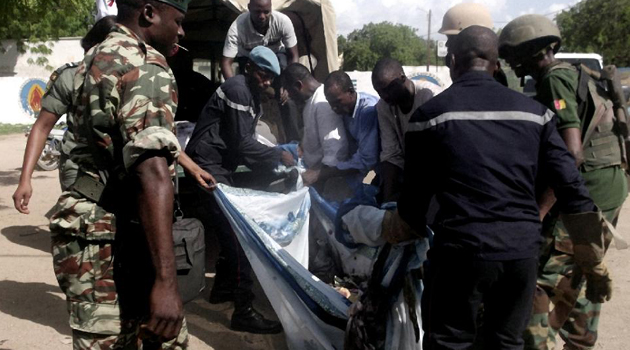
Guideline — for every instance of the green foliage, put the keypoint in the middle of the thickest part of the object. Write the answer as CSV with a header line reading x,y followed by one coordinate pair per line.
x,y
599,26
32,22
364,47
9,129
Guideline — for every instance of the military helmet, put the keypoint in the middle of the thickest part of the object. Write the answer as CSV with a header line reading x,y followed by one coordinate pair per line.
x,y
462,16
528,35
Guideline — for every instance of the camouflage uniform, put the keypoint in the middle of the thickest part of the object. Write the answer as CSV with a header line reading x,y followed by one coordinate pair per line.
x,y
124,102
573,316
58,100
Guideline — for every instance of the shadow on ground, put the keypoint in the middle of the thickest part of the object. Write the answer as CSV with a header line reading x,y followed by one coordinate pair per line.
x,y
211,323
9,178
12,177
30,236
35,301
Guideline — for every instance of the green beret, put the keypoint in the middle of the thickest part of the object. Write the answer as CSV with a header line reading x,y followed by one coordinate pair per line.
x,y
181,5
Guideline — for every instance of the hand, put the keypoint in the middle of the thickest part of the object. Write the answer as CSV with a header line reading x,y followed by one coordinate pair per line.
x,y
21,197
284,96
394,229
598,283
166,312
204,179
310,177
287,159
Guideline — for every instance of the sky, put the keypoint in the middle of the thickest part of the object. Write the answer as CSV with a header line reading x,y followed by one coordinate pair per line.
x,y
353,14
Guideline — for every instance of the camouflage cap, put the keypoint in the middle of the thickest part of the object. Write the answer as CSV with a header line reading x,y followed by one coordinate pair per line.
x,y
181,5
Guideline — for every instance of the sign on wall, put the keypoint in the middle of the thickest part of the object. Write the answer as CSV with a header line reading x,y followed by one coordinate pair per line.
x,y
31,95
441,48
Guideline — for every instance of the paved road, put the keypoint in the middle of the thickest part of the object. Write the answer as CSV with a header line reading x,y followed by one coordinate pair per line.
x,y
32,309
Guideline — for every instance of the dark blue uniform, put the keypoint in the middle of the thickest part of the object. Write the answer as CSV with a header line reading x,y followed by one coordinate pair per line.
x,y
223,139
478,147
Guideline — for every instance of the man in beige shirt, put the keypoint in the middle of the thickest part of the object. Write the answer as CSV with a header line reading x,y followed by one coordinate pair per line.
x,y
400,97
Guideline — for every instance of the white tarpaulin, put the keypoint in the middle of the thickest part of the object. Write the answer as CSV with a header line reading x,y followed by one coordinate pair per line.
x,y
312,313
272,228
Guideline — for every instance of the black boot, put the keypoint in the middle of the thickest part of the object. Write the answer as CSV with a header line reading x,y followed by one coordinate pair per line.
x,y
224,287
220,295
249,320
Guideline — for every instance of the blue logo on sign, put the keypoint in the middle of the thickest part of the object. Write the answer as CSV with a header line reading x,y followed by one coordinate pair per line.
x,y
31,95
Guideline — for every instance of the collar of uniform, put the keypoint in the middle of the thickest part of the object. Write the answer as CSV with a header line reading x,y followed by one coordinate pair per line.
x,y
551,66
474,75
119,28
356,105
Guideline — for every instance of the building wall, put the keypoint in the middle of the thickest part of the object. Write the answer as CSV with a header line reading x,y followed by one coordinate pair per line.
x,y
437,75
22,84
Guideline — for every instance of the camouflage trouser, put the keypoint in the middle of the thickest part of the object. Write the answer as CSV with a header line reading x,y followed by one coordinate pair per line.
x,y
574,317
128,339
85,272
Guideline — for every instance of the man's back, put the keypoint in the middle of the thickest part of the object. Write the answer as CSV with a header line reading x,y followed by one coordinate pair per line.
x,y
136,91
483,142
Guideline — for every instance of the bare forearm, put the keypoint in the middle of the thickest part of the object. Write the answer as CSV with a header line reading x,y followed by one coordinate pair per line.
x,y
35,143
155,208
546,200
292,54
226,67
573,139
187,163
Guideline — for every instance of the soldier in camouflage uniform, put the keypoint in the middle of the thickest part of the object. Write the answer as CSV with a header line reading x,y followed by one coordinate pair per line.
x,y
56,102
528,44
118,273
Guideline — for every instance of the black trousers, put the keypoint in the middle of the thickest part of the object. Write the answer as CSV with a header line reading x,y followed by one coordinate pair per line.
x,y
233,271
457,286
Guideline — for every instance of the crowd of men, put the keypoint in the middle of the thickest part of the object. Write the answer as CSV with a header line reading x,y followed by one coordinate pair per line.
x,y
491,171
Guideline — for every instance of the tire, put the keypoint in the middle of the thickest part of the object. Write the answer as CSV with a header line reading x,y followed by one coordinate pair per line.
x,y
47,160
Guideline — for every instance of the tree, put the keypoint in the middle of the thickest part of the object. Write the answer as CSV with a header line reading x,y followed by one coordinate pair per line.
x,y
364,47
33,22
599,26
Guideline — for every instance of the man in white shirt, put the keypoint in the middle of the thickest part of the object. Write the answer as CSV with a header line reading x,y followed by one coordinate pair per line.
x,y
324,142
400,97
261,26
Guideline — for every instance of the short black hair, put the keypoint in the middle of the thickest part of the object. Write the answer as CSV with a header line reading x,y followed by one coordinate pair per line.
x,y
295,72
98,32
387,67
473,44
340,79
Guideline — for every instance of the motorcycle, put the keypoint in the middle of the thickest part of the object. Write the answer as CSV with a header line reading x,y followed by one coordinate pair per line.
x,y
49,158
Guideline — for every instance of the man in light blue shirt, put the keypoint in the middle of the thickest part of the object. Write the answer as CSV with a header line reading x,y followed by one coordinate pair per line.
x,y
358,111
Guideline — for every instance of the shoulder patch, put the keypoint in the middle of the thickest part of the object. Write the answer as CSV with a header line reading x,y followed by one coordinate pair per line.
x,y
51,81
559,104
57,72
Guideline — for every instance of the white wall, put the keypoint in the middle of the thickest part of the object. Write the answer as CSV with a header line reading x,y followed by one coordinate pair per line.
x,y
363,80
18,77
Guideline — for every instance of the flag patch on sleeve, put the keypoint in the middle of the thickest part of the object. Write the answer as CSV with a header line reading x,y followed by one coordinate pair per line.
x,y
559,104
